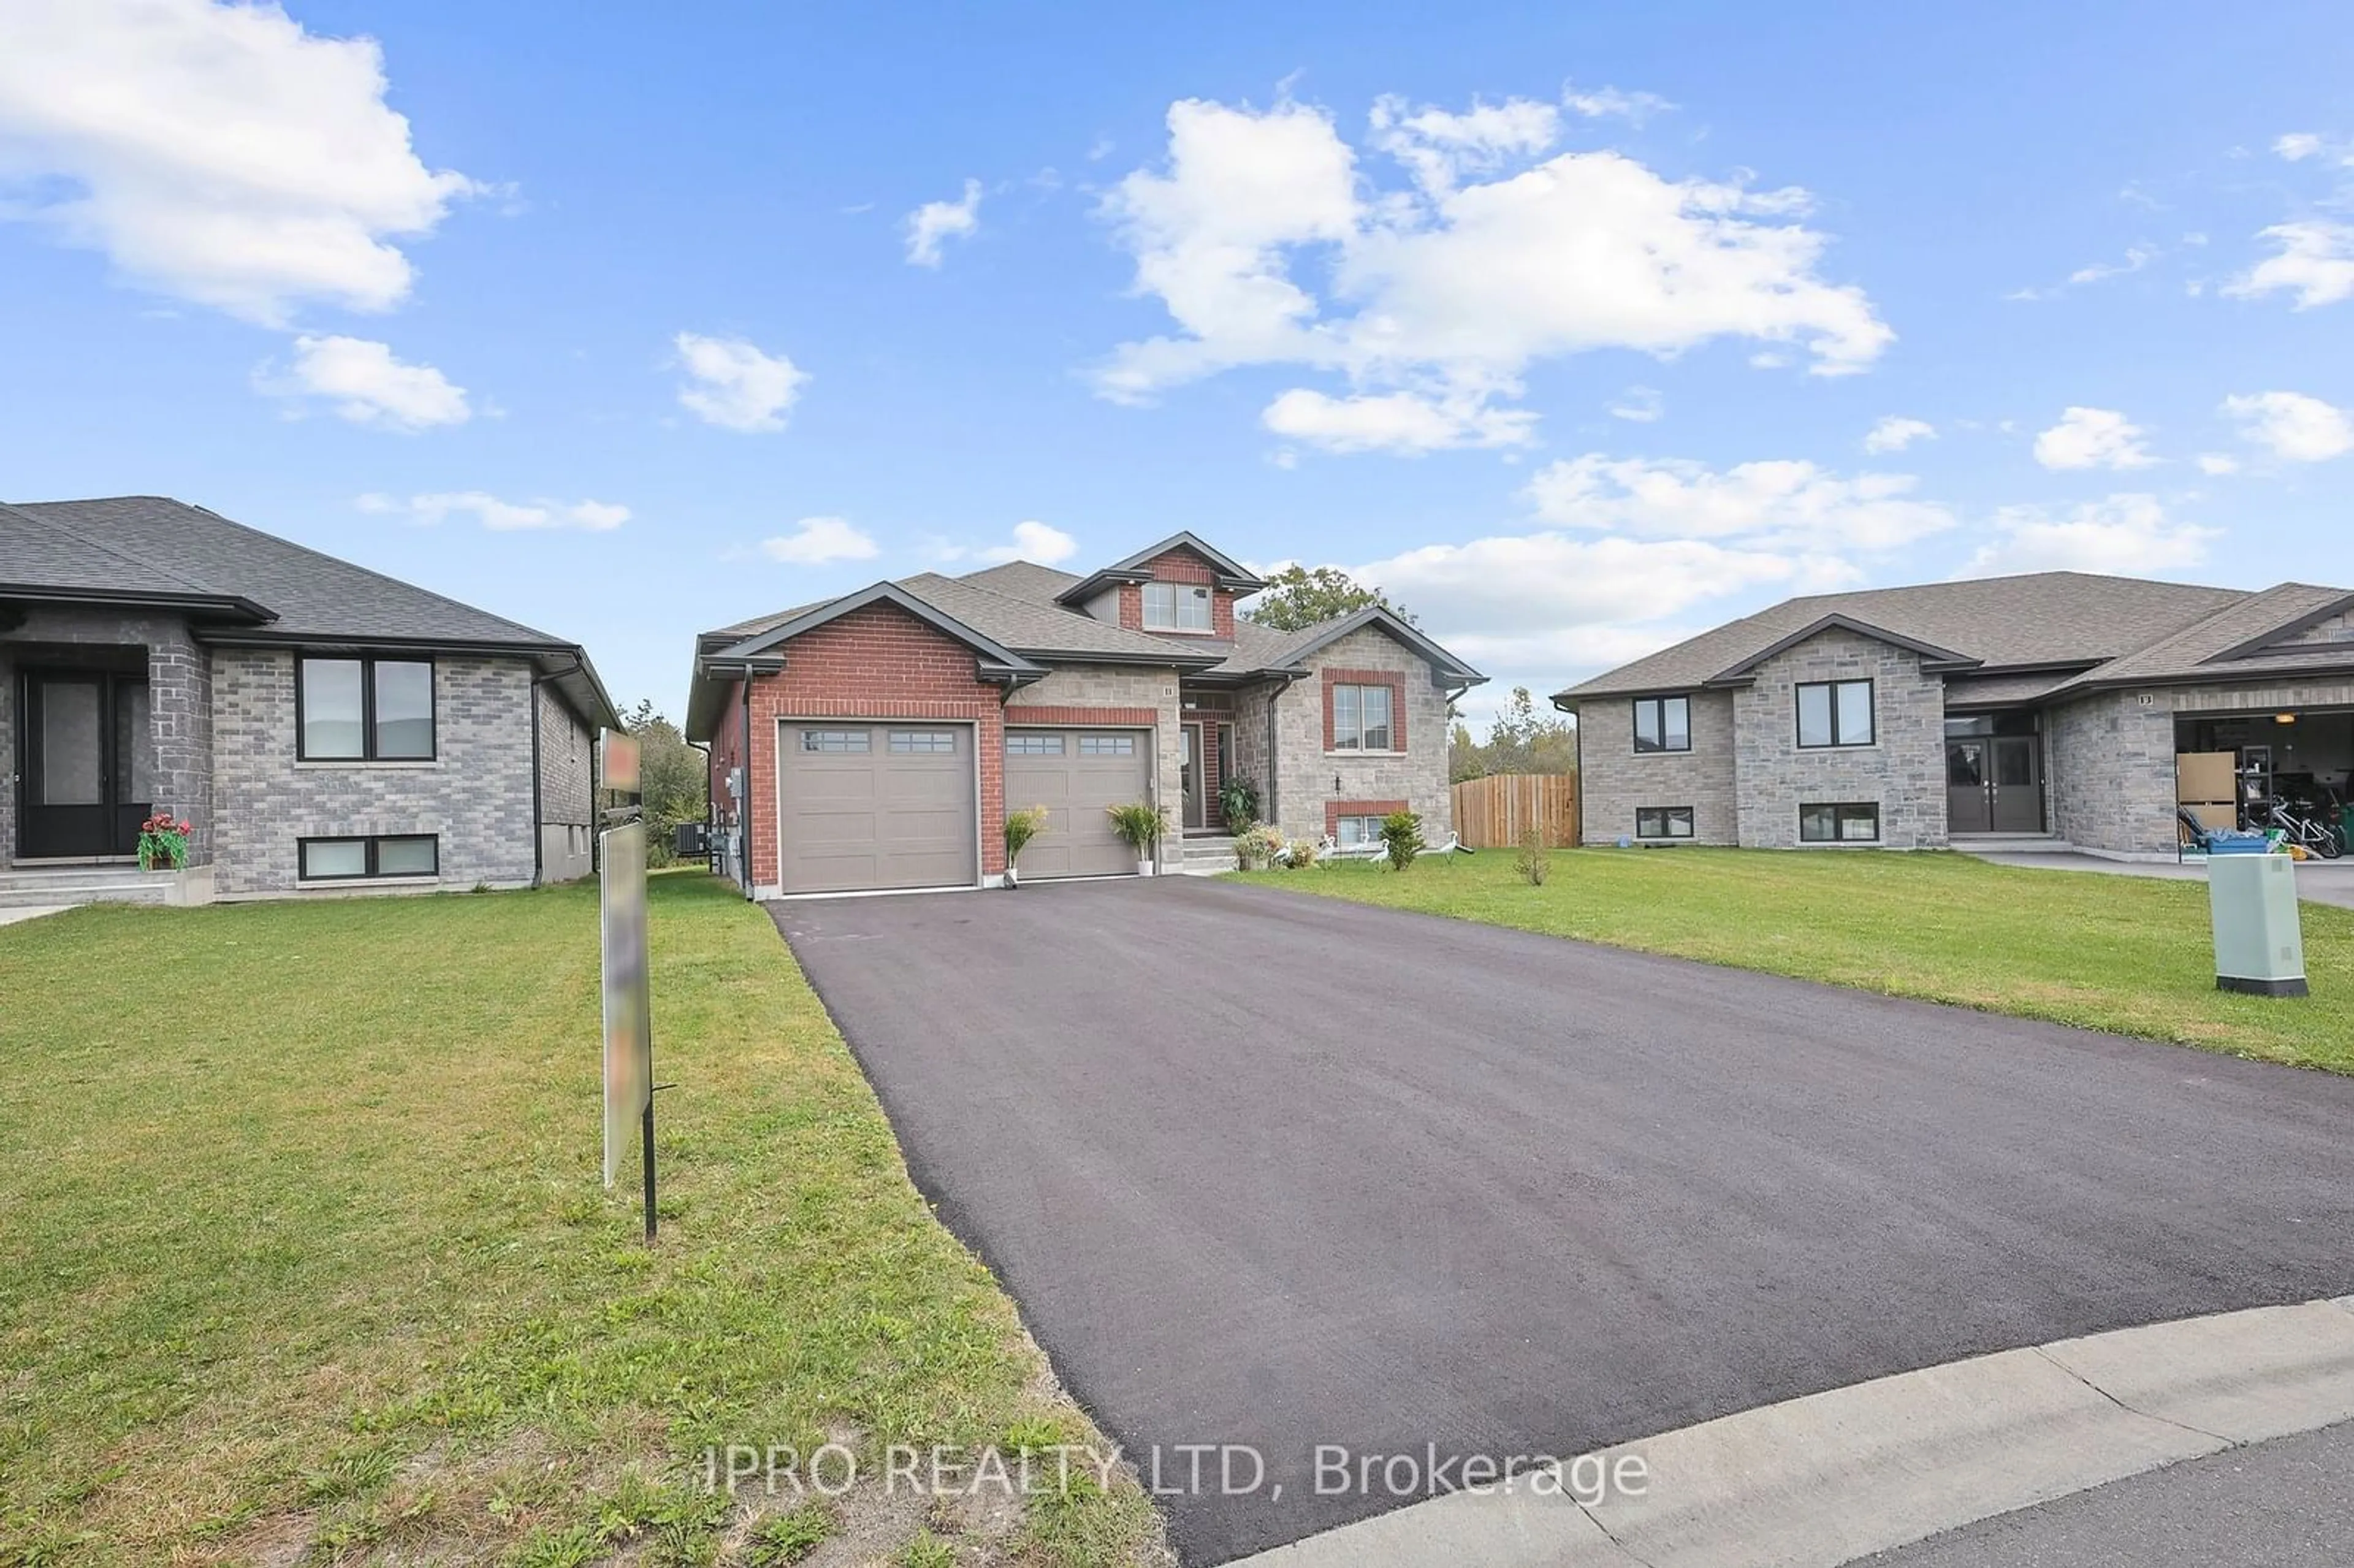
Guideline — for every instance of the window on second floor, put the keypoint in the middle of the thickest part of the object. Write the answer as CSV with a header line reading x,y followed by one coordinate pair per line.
x,y
1663,724
1835,712
1176,607
1361,719
374,710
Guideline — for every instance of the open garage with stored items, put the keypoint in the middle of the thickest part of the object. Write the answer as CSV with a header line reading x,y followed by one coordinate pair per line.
x,y
2277,767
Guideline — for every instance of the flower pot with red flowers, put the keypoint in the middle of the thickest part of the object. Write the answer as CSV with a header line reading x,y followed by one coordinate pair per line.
x,y
163,842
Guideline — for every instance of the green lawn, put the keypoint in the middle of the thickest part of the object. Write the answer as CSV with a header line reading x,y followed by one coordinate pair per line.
x,y
303,1244
2123,953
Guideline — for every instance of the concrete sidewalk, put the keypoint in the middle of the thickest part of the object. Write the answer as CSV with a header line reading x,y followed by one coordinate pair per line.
x,y
1825,1480
2317,881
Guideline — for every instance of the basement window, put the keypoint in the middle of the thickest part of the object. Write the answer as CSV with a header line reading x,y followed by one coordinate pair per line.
x,y
1663,821
1842,824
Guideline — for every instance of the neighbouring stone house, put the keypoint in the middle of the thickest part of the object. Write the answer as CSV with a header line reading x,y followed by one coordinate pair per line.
x,y
877,740
2062,708
322,728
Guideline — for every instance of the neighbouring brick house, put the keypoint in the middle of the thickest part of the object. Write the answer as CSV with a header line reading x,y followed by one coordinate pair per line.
x,y
321,727
877,739
2060,709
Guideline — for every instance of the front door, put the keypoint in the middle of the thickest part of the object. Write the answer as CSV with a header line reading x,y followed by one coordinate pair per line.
x,y
1994,784
85,785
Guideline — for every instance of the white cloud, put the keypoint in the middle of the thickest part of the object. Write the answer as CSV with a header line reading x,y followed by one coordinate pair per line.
x,y
1787,505
2299,145
1402,422
2092,438
2293,426
1485,263
2123,533
367,385
735,385
2137,258
1610,103
816,540
934,223
1034,541
1894,432
215,153
2315,264
501,516
1551,585
2217,464
1641,405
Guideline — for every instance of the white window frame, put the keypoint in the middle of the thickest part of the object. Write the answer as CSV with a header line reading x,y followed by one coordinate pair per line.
x,y
1180,599
1350,736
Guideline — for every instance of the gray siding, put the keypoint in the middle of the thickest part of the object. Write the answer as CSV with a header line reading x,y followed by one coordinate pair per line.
x,y
567,819
475,796
1903,770
1305,772
1614,779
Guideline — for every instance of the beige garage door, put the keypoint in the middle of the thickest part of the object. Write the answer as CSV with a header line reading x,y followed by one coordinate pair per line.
x,y
877,805
1074,774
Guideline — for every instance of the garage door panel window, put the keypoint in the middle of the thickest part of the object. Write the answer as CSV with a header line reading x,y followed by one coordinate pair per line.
x,y
842,741
1107,746
1033,745
1361,718
1835,712
937,742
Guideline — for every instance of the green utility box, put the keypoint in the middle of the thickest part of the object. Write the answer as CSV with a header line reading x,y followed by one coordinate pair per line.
x,y
2259,945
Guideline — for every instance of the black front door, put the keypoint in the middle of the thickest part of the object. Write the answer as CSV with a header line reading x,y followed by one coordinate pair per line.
x,y
84,783
1994,784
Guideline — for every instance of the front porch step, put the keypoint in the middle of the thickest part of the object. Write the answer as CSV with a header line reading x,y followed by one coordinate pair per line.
x,y
21,889
1207,852
2011,844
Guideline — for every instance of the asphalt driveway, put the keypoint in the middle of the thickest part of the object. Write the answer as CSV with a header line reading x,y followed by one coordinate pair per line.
x,y
1277,1171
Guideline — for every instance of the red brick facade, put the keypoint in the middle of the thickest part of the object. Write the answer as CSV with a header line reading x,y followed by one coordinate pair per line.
x,y
1180,565
1390,678
877,662
1336,810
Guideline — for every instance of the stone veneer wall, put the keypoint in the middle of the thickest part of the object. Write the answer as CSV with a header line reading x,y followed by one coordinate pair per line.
x,y
567,831
1614,779
179,694
475,796
1108,692
1903,770
1305,771
2111,760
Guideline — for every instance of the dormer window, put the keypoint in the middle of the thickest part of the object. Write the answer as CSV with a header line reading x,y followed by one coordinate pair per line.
x,y
1176,607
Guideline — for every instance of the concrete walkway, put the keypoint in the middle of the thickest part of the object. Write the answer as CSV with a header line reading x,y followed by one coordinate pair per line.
x,y
2317,881
1833,1476
9,916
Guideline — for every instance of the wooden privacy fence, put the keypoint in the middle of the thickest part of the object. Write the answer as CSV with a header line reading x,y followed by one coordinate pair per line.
x,y
1493,812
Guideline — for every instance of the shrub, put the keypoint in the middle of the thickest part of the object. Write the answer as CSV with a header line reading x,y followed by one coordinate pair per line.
x,y
1532,860
1402,836
1021,827
1300,853
1256,845
1139,824
1238,803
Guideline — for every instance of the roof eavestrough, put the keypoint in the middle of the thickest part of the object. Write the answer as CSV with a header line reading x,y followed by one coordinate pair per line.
x,y
1446,668
1229,573
1933,659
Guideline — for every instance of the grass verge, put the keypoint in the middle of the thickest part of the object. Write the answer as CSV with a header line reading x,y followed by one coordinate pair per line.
x,y
305,1257
2128,954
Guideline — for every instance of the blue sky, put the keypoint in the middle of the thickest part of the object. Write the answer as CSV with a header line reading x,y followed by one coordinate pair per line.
x,y
1572,327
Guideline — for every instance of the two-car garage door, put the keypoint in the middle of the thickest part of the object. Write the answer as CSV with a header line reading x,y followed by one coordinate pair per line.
x,y
1076,774
882,804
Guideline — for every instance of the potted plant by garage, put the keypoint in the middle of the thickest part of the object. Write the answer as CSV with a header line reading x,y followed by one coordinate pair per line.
x,y
163,842
1141,825
1021,827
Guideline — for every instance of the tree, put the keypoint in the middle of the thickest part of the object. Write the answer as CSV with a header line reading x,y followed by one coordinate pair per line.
x,y
1520,740
671,775
1300,597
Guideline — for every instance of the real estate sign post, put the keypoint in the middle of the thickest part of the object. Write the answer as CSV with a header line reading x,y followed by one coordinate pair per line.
x,y
629,1007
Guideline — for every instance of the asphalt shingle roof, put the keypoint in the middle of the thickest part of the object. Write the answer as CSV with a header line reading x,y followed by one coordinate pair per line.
x,y
148,544
2045,618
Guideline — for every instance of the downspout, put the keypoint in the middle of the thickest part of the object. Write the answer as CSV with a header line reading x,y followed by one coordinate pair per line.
x,y
538,834
744,801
